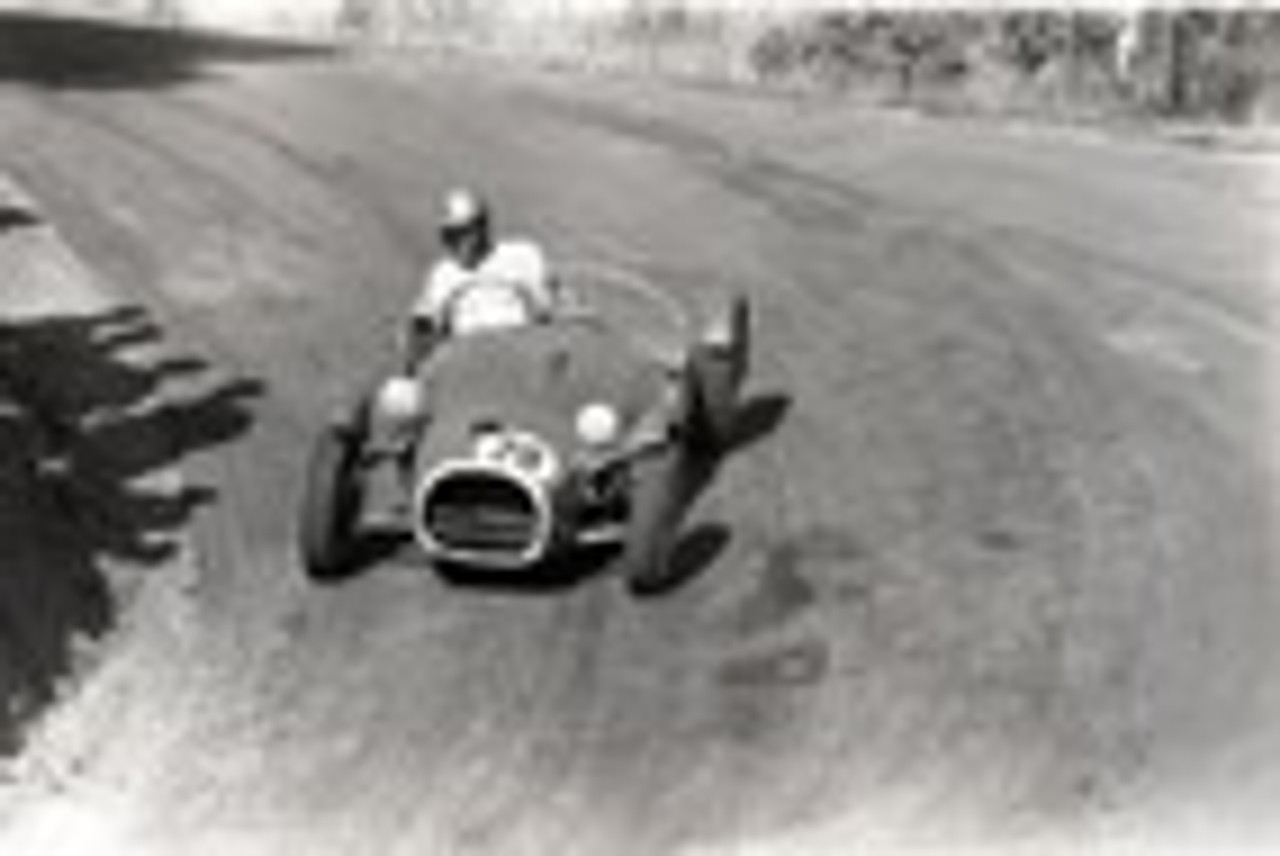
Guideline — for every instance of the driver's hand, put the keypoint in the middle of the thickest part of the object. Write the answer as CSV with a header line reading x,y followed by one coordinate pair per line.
x,y
419,339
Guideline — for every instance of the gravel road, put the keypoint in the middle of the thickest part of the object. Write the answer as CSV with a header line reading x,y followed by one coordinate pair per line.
x,y
994,565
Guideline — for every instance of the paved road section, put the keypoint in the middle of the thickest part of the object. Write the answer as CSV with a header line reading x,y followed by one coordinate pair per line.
x,y
993,565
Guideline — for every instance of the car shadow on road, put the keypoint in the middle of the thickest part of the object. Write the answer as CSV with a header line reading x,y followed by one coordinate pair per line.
x,y
16,217
760,416
94,414
68,53
563,574
701,543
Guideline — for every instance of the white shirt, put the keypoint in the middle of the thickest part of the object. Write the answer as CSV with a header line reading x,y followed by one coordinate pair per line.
x,y
510,288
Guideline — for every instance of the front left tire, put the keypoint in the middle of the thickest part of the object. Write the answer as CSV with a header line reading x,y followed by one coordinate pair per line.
x,y
656,506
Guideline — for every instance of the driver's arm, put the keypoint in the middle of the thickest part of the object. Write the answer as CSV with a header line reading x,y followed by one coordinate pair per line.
x,y
426,325
543,286
548,299
420,338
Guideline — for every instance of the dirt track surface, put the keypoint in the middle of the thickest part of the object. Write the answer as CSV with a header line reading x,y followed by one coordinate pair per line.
x,y
993,564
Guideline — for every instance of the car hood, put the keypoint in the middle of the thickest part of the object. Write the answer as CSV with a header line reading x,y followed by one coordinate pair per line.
x,y
534,379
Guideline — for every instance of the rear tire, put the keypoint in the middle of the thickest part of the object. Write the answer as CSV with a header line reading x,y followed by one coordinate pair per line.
x,y
717,369
331,505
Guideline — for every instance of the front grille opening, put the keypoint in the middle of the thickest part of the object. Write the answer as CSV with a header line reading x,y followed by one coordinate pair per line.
x,y
481,513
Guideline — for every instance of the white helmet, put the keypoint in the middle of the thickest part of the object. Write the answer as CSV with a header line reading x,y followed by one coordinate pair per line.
x,y
464,213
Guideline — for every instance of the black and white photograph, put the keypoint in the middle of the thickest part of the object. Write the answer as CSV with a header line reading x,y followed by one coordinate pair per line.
x,y
639,428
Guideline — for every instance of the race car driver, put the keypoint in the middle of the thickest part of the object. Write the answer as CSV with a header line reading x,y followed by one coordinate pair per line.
x,y
479,284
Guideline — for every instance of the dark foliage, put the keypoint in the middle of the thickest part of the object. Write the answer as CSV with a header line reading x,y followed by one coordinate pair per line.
x,y
59,52
85,426
1196,63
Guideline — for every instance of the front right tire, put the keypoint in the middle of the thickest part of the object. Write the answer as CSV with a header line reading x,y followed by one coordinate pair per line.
x,y
331,505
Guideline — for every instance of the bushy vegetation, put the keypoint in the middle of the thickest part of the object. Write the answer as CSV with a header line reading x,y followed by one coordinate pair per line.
x,y
1196,64
1218,64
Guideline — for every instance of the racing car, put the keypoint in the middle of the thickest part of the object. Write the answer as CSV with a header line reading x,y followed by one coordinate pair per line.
x,y
514,449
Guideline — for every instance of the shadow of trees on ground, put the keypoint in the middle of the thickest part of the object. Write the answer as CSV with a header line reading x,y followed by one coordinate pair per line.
x,y
58,52
93,415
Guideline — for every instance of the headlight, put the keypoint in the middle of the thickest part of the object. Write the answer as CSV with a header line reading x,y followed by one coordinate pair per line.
x,y
598,425
399,399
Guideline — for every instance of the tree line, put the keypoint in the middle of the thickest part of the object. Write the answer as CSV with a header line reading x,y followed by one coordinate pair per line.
x,y
1202,63
1207,63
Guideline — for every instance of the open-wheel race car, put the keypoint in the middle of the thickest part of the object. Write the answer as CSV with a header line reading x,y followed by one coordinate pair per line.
x,y
506,452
